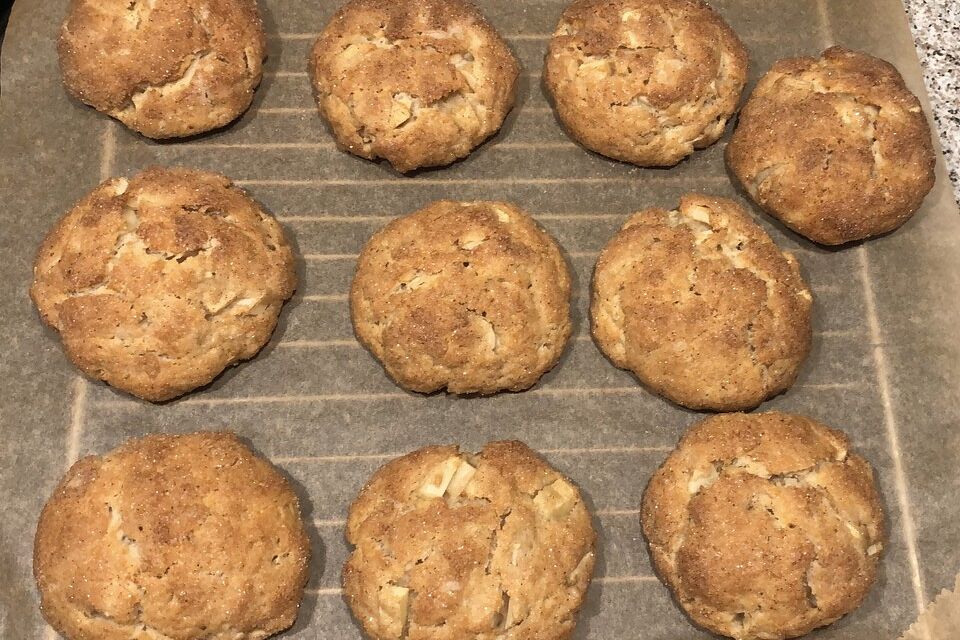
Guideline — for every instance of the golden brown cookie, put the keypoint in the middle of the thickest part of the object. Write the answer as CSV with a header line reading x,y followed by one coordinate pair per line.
x,y
189,536
469,296
420,83
764,525
645,81
453,546
158,283
165,68
702,306
837,148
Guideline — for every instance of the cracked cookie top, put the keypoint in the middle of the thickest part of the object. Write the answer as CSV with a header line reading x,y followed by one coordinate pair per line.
x,y
449,545
165,68
702,306
764,525
158,283
419,83
645,81
469,296
837,148
186,536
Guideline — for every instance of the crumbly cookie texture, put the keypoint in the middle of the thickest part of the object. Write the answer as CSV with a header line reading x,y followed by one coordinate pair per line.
x,y
645,81
702,306
419,83
764,526
450,546
837,148
158,283
469,296
165,68
187,536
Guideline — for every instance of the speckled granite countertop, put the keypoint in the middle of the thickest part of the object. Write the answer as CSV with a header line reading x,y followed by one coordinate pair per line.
x,y
936,30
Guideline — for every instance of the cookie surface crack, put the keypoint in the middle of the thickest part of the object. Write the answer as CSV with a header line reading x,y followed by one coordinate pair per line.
x,y
703,231
188,67
135,12
808,585
131,548
754,183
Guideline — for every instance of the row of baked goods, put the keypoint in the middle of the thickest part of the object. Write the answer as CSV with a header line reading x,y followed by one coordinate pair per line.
x,y
763,526
158,283
698,302
837,148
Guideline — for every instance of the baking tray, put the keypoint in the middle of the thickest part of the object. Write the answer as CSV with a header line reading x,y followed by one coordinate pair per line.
x,y
884,365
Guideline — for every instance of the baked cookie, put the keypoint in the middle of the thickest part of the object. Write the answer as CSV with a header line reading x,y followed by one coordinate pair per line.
x,y
702,306
764,525
837,148
158,283
453,546
165,68
420,83
645,81
469,296
189,536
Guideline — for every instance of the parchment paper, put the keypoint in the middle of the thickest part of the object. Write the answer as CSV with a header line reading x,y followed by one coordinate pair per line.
x,y
884,366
